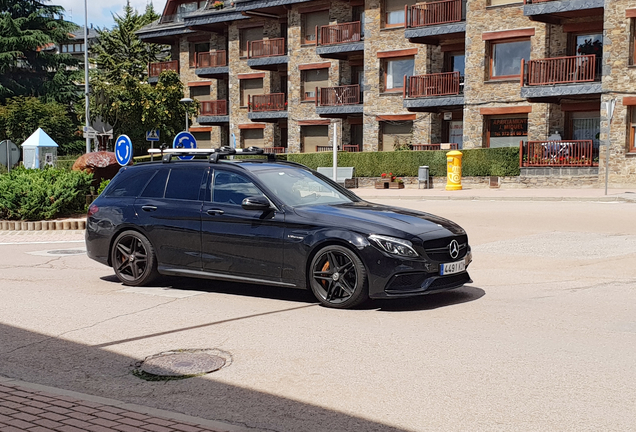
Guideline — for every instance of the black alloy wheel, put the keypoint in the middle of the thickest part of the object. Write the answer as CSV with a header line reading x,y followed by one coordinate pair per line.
x,y
133,259
338,278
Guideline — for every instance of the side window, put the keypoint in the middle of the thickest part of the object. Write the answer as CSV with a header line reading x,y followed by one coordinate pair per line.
x,y
129,184
184,183
157,185
232,188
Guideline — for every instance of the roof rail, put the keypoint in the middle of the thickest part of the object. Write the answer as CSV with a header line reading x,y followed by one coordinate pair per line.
x,y
214,154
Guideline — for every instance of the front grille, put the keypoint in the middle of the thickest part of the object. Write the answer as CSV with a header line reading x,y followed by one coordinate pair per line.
x,y
437,249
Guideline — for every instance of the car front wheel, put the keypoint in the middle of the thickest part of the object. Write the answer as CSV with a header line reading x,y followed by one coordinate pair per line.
x,y
338,278
133,259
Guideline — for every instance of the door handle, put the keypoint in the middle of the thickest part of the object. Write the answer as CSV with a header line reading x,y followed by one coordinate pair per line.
x,y
148,208
214,212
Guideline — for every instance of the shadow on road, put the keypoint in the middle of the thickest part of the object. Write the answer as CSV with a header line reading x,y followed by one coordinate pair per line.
x,y
46,360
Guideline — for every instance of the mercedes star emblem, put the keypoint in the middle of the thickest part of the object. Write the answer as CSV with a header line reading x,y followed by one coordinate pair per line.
x,y
453,249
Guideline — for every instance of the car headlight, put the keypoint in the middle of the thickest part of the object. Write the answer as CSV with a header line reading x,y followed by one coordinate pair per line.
x,y
394,245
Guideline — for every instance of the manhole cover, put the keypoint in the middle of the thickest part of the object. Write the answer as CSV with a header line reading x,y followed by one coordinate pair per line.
x,y
185,363
66,252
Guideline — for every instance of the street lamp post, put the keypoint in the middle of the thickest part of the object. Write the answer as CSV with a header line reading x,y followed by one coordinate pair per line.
x,y
86,88
186,101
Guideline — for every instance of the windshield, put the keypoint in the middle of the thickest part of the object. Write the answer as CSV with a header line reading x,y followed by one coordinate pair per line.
x,y
296,187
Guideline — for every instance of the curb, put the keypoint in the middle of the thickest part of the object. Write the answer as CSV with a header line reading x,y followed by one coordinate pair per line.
x,y
483,198
51,225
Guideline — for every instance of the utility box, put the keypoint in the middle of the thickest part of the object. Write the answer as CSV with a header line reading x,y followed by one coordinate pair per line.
x,y
39,151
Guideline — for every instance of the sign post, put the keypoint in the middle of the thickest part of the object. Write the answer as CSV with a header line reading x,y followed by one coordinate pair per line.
x,y
609,109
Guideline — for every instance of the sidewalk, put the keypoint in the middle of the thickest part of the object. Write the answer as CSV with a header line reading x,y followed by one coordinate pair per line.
x,y
36,408
496,194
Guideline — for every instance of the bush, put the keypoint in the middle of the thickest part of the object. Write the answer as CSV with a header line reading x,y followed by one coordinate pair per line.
x,y
42,194
475,162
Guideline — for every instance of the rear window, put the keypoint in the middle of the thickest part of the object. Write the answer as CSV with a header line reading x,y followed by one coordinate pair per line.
x,y
128,183
185,183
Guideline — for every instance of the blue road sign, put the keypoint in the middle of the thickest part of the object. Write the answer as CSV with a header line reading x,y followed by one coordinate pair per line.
x,y
152,135
184,140
123,150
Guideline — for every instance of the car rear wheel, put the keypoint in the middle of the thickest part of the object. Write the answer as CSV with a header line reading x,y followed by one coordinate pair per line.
x,y
133,259
338,278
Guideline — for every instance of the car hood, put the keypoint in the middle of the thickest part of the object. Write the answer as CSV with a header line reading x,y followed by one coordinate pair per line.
x,y
373,218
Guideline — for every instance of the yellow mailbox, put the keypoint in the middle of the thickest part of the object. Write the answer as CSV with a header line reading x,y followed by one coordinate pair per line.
x,y
454,170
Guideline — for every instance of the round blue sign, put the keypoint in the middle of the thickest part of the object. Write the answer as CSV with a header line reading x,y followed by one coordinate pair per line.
x,y
184,140
123,150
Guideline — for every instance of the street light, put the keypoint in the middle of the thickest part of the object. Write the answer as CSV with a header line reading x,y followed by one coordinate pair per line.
x,y
86,88
186,101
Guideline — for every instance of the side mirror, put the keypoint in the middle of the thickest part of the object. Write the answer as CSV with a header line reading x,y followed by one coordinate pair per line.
x,y
256,203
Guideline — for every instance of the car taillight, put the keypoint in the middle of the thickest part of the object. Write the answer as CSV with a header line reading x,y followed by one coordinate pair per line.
x,y
92,210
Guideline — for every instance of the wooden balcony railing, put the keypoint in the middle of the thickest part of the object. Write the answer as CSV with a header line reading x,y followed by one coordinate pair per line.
x,y
336,96
439,84
561,70
353,148
213,108
157,68
535,1
212,59
444,146
268,102
570,153
266,48
340,33
434,13
324,148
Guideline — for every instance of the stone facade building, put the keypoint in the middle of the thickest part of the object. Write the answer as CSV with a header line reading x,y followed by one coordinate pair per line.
x,y
542,75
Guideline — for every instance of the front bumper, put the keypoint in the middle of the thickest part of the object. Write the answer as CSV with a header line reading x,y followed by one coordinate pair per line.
x,y
391,276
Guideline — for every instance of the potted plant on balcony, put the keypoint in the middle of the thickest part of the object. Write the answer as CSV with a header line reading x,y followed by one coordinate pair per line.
x,y
217,4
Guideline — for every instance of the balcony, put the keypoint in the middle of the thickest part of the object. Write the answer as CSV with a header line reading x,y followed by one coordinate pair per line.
x,y
338,41
432,22
351,148
268,107
267,54
569,154
212,64
426,93
213,112
426,147
157,68
561,76
275,150
555,11
340,101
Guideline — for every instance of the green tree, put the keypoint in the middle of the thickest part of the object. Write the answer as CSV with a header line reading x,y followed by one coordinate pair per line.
x,y
21,116
134,107
28,65
119,51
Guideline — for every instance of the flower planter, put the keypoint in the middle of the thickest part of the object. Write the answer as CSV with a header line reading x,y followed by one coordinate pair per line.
x,y
396,185
382,184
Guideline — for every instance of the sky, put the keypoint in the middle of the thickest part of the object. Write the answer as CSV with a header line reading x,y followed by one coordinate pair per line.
x,y
100,11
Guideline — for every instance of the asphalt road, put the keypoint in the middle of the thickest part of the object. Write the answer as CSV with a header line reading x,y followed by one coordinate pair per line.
x,y
543,340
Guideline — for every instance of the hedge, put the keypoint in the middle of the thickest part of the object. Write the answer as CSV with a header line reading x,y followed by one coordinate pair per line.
x,y
43,194
475,162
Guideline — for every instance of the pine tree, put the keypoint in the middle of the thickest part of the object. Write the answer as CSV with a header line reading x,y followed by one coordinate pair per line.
x,y
28,28
119,51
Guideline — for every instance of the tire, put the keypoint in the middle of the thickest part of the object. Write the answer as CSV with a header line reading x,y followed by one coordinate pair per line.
x,y
134,259
343,286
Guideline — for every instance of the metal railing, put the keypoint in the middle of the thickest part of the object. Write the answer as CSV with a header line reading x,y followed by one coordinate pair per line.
x,y
433,13
536,1
158,67
276,150
439,84
336,96
570,153
444,146
267,102
561,70
340,33
266,48
212,59
213,108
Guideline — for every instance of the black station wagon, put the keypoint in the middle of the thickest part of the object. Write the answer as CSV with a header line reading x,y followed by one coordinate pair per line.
x,y
263,221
